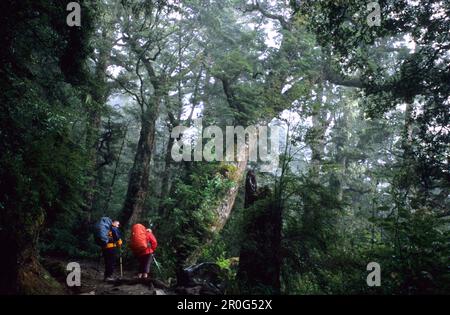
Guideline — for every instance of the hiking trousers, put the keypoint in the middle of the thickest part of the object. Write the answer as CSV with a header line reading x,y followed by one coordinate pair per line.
x,y
145,262
110,261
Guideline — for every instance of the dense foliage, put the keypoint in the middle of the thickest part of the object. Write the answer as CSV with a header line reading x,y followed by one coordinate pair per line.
x,y
364,167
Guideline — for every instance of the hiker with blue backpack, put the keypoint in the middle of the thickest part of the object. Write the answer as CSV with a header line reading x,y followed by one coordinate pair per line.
x,y
107,235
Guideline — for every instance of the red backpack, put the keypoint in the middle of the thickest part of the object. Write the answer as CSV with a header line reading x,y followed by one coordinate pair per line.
x,y
138,242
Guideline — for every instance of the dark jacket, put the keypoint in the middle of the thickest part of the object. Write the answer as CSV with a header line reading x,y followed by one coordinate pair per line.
x,y
114,238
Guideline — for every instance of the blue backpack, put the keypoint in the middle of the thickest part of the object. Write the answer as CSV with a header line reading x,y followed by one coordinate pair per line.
x,y
101,231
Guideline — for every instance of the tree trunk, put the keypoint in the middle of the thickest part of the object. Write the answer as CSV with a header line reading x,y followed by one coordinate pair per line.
x,y
337,179
260,258
116,168
316,142
92,135
166,180
20,270
408,130
222,212
139,175
99,95
168,168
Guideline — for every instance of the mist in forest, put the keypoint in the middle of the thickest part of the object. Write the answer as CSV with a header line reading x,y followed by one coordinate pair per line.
x,y
333,179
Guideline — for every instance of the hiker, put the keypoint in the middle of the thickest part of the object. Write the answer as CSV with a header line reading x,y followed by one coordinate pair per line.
x,y
143,244
108,237
109,250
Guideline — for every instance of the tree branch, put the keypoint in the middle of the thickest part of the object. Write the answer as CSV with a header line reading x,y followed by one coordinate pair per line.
x,y
286,25
338,79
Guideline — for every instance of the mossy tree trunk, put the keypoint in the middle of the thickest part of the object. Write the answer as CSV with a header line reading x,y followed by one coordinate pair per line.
x,y
222,212
139,175
20,269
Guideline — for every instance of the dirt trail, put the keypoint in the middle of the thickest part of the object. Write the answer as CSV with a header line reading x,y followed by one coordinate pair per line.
x,y
201,279
93,284
92,280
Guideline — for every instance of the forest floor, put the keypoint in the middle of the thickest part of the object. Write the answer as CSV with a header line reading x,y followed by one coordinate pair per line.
x,y
92,280
203,281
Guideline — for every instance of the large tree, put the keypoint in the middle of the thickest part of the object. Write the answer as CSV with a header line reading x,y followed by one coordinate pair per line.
x,y
42,75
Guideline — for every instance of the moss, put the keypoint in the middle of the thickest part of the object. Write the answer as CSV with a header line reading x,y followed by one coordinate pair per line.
x,y
229,171
33,279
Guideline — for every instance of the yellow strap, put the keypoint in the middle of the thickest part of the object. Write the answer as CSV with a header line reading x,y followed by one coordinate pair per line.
x,y
112,245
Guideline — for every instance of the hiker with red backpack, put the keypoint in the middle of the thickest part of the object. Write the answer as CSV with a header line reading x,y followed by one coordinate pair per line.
x,y
107,236
143,244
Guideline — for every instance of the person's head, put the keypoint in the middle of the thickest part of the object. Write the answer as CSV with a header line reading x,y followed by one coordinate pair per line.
x,y
150,226
116,223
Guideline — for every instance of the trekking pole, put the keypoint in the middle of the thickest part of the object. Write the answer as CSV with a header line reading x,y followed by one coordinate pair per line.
x,y
99,262
121,267
157,264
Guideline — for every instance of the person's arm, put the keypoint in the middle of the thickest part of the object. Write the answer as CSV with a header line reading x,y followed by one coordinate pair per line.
x,y
116,236
152,239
